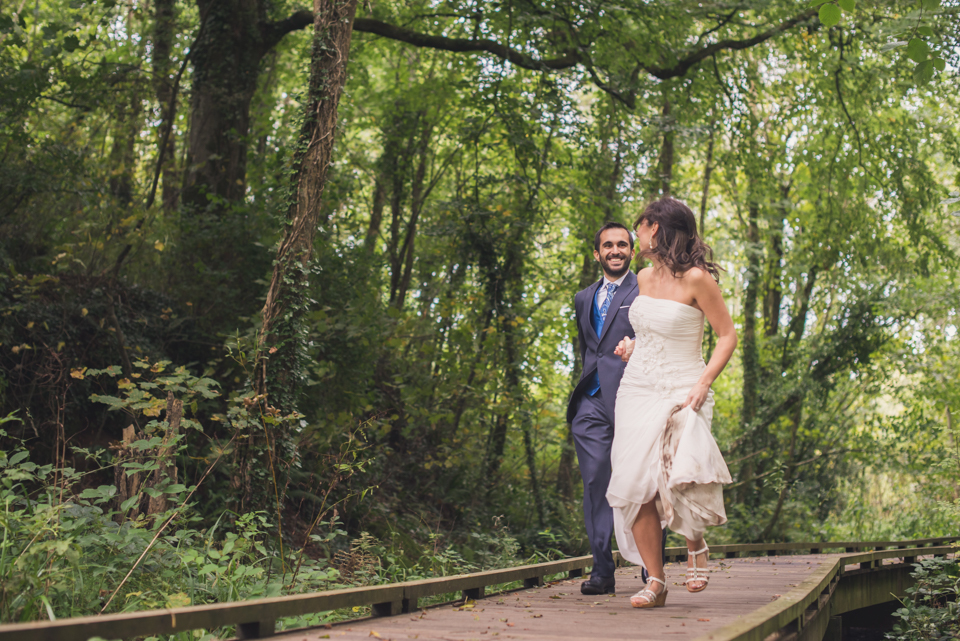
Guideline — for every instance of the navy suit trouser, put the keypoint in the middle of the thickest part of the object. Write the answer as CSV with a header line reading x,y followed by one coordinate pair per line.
x,y
593,436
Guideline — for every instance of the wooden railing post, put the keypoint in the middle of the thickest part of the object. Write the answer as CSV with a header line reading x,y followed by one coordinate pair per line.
x,y
256,629
387,608
473,593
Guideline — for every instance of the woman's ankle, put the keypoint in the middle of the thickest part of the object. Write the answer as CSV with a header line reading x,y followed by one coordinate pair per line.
x,y
693,546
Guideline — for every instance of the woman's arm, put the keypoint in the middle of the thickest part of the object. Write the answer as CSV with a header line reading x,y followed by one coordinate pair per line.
x,y
707,296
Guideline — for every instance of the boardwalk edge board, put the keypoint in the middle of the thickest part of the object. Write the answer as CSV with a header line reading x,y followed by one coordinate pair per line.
x,y
257,618
811,601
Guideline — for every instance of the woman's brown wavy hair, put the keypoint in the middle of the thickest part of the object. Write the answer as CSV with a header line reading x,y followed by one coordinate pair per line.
x,y
677,243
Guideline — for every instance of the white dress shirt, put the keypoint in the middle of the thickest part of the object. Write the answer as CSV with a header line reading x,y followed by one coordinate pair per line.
x,y
602,291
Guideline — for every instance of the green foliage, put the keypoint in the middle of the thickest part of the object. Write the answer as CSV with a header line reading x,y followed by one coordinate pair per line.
x,y
435,326
931,611
63,554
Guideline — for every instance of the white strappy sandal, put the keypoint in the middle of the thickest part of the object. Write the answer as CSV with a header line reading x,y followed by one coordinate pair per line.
x,y
650,598
697,574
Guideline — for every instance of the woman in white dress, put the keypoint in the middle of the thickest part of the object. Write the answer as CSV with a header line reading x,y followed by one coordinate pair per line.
x,y
667,468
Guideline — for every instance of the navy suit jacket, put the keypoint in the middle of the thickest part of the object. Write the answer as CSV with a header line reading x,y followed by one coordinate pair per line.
x,y
596,352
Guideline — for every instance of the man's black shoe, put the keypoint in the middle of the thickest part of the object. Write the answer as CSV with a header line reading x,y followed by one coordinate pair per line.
x,y
598,585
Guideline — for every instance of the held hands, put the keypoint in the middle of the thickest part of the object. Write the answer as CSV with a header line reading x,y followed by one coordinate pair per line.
x,y
697,396
625,348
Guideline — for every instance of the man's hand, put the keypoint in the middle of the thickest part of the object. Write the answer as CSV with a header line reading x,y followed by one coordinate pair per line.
x,y
625,348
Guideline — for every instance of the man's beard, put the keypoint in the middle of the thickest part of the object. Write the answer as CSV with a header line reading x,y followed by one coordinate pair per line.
x,y
609,271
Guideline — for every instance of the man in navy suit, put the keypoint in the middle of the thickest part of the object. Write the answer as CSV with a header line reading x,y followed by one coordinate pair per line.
x,y
602,322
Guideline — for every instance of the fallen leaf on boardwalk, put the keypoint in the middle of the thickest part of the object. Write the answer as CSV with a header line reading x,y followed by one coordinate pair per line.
x,y
375,635
504,620
536,616
775,597
510,624
703,619
555,596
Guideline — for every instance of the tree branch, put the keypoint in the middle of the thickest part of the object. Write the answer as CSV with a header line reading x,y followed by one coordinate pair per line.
x,y
464,45
572,57
684,64
273,32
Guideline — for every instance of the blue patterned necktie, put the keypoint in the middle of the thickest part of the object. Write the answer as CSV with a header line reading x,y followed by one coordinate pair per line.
x,y
598,319
602,316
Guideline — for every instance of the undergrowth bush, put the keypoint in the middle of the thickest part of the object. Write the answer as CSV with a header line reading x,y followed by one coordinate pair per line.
x,y
66,552
930,610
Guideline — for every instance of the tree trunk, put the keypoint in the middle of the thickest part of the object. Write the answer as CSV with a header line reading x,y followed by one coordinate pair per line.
x,y
164,30
226,66
773,298
666,151
707,170
226,62
532,467
749,353
279,358
123,155
376,216
798,324
417,198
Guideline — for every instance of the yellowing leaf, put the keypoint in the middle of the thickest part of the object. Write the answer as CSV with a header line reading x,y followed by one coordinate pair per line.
x,y
77,373
158,246
30,325
83,312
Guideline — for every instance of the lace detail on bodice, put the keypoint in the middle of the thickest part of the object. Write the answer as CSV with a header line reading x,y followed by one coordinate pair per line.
x,y
669,336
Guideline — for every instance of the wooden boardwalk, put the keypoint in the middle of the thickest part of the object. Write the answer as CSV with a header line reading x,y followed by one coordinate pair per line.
x,y
737,588
770,598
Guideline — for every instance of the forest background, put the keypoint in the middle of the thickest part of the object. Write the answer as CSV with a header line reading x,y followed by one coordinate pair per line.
x,y
286,295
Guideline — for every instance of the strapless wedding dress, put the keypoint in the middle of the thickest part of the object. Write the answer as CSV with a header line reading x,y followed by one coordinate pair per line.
x,y
659,450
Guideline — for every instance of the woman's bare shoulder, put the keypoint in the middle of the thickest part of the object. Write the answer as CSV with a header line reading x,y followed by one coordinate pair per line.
x,y
697,275
644,273
698,279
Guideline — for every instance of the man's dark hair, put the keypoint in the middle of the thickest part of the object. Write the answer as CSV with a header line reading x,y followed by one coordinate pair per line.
x,y
596,238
